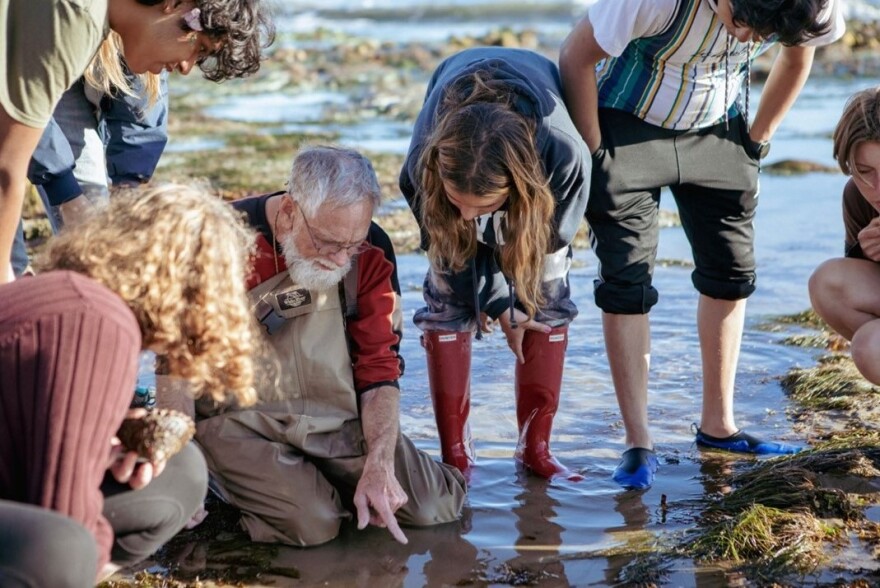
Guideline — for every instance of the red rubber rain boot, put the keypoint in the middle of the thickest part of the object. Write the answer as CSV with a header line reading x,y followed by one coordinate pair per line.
x,y
538,383
449,376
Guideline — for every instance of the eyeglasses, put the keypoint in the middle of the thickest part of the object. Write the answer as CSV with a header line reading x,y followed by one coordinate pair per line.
x,y
327,248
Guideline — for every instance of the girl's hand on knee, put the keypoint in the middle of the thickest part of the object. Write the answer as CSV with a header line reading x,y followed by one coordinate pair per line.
x,y
487,325
516,333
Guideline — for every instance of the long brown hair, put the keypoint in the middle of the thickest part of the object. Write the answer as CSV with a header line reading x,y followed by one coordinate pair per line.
x,y
481,145
859,123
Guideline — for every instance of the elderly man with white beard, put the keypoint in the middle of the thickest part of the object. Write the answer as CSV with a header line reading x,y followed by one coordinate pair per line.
x,y
324,440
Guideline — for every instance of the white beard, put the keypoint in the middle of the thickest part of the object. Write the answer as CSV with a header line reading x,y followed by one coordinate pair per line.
x,y
309,273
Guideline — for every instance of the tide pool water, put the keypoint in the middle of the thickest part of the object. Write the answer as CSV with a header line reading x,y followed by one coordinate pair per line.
x,y
518,529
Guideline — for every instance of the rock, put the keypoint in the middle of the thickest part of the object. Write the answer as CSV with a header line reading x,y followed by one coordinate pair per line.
x,y
789,167
158,435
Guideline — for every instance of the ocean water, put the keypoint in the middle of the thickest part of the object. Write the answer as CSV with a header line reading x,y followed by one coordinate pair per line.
x,y
517,527
855,8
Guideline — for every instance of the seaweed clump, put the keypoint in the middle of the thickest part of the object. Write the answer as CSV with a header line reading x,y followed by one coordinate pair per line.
x,y
833,384
788,515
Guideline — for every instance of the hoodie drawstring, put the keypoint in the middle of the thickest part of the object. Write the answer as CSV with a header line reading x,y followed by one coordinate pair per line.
x,y
726,82
510,293
479,335
748,82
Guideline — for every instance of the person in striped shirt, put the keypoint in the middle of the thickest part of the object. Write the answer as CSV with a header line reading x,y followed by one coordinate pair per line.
x,y
655,89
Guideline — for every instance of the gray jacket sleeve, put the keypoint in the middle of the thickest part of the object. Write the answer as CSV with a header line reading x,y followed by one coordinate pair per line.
x,y
568,165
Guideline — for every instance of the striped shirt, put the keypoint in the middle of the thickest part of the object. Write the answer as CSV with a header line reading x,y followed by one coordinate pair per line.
x,y
672,62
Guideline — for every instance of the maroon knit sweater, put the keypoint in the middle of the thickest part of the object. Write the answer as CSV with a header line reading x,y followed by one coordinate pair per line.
x,y
68,367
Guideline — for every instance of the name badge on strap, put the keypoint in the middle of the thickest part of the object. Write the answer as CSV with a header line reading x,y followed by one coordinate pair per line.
x,y
292,299
276,305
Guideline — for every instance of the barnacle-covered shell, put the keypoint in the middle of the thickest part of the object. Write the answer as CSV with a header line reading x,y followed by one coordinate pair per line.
x,y
158,435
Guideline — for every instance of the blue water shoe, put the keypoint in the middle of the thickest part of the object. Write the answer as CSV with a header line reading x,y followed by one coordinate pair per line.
x,y
742,442
636,469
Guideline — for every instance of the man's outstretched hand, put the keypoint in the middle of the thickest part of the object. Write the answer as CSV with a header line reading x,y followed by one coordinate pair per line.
x,y
377,498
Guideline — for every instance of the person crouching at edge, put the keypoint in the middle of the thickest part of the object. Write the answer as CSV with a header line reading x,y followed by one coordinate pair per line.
x,y
845,291
161,269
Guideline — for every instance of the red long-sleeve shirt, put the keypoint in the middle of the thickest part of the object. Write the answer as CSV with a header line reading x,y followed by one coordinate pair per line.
x,y
375,331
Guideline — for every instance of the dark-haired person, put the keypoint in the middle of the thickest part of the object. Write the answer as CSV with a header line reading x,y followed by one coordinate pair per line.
x,y
653,86
844,291
49,45
497,177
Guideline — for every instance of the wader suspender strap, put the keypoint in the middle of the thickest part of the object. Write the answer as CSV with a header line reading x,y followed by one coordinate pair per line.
x,y
271,321
263,310
349,296
349,287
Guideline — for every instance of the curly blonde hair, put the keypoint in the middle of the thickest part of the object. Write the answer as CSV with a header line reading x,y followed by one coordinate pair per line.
x,y
482,146
178,256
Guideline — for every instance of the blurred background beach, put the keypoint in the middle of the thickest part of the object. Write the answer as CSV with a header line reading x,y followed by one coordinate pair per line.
x,y
354,72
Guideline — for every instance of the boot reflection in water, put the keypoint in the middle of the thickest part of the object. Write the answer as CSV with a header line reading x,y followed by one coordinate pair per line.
x,y
538,384
449,376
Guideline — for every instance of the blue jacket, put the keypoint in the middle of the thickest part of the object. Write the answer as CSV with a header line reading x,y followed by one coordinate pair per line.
x,y
134,136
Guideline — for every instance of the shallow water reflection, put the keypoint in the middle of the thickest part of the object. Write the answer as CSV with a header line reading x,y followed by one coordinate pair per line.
x,y
518,529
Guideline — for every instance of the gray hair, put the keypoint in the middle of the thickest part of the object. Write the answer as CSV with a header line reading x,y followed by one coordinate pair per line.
x,y
335,176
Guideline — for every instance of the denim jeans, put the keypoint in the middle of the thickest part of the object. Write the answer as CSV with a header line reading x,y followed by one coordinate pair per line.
x,y
20,259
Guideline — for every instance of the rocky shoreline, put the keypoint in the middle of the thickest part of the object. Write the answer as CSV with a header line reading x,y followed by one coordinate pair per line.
x,y
381,82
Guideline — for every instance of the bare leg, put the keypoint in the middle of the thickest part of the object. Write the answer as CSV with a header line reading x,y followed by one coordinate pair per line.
x,y
866,349
844,293
720,324
628,345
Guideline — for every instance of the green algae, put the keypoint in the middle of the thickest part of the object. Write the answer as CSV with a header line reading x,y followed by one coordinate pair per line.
x,y
767,537
807,319
833,384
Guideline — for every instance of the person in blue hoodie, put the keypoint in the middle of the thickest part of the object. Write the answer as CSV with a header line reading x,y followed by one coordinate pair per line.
x,y
95,140
498,178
